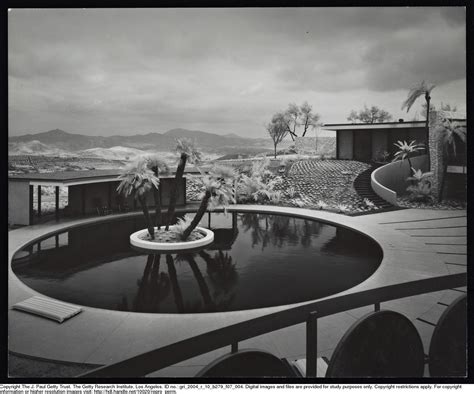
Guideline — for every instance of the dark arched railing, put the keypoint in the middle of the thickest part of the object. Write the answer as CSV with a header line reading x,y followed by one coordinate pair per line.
x,y
165,356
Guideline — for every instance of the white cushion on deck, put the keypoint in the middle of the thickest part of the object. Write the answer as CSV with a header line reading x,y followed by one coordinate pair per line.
x,y
48,308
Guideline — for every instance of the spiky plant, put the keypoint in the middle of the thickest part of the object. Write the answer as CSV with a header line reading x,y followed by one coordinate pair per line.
x,y
448,132
137,180
422,89
187,153
159,167
217,191
405,149
420,176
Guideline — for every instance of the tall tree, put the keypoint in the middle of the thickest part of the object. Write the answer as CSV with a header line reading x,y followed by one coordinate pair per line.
x,y
373,114
159,167
291,117
187,153
217,190
278,130
137,180
422,89
308,119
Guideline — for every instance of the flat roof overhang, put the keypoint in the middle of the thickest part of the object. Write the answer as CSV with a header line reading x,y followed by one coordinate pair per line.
x,y
381,126
72,178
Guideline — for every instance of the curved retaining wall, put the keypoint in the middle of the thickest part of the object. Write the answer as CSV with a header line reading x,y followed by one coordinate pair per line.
x,y
389,180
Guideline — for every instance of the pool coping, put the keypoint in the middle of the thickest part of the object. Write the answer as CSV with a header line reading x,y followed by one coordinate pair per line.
x,y
98,336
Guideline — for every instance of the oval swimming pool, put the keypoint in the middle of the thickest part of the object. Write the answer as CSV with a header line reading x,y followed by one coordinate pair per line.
x,y
256,260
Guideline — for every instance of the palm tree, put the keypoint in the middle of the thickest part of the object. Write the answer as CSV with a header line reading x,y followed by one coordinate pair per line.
x,y
159,167
448,131
217,191
188,153
138,180
405,150
422,89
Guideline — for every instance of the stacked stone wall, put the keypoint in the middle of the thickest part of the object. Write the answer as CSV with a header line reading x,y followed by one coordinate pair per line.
x,y
436,155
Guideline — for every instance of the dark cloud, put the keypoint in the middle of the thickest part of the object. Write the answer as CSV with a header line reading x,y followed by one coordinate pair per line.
x,y
228,70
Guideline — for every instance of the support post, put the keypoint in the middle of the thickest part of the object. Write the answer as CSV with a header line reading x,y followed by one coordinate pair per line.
x,y
209,220
39,201
57,201
234,220
83,199
377,307
311,344
109,196
234,347
32,211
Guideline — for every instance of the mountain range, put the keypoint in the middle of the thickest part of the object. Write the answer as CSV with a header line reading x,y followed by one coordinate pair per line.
x,y
208,142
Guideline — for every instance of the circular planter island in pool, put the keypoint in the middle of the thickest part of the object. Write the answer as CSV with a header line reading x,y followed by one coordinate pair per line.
x,y
138,240
256,260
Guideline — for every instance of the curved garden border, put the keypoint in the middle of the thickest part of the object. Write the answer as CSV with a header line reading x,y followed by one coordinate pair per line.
x,y
135,240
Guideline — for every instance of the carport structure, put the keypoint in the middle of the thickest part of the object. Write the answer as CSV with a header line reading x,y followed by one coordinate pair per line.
x,y
87,190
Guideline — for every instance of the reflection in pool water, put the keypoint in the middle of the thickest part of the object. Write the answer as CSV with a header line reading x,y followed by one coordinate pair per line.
x,y
256,260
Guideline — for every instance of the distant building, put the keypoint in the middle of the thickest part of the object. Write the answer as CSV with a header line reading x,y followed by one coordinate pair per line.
x,y
366,141
88,192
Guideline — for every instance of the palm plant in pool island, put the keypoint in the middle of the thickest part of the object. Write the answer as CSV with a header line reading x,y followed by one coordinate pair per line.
x,y
137,180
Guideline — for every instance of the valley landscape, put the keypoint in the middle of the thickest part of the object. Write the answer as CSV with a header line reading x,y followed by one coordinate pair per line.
x,y
58,150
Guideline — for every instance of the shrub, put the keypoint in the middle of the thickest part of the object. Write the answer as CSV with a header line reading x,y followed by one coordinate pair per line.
x,y
321,204
420,191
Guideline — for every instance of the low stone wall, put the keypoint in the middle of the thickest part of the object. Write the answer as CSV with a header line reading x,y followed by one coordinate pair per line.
x,y
389,180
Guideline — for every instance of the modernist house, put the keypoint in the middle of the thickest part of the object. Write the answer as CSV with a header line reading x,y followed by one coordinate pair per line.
x,y
365,141
88,192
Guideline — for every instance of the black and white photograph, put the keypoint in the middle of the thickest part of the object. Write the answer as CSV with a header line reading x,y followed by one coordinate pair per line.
x,y
227,193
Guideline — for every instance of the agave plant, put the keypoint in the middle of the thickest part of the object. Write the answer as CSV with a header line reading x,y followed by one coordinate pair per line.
x,y
321,204
342,208
138,180
405,149
448,132
187,153
217,191
420,176
368,203
423,89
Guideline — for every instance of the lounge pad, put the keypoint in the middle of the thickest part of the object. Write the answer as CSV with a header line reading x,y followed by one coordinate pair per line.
x,y
51,309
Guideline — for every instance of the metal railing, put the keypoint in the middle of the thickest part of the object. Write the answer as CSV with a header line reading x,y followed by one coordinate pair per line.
x,y
165,356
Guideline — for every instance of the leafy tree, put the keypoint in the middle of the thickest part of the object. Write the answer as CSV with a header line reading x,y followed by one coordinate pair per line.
x,y
422,89
308,119
187,153
443,108
369,115
137,180
278,128
291,116
448,132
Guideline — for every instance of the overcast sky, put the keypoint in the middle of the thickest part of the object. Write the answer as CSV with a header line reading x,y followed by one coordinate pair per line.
x,y
128,71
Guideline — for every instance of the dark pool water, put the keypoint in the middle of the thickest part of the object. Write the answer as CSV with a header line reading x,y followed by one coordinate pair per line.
x,y
256,260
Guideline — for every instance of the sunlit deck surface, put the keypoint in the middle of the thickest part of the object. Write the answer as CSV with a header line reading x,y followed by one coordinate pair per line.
x,y
416,243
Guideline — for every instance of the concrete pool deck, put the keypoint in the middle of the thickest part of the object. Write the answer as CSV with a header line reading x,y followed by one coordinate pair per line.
x,y
417,244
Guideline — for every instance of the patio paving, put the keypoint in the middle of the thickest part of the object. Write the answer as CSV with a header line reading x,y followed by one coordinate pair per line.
x,y
417,244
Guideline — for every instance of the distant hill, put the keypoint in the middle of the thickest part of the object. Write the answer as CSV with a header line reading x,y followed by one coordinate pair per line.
x,y
34,147
208,142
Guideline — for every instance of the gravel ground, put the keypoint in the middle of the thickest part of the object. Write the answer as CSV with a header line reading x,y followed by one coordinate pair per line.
x,y
309,181
446,204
